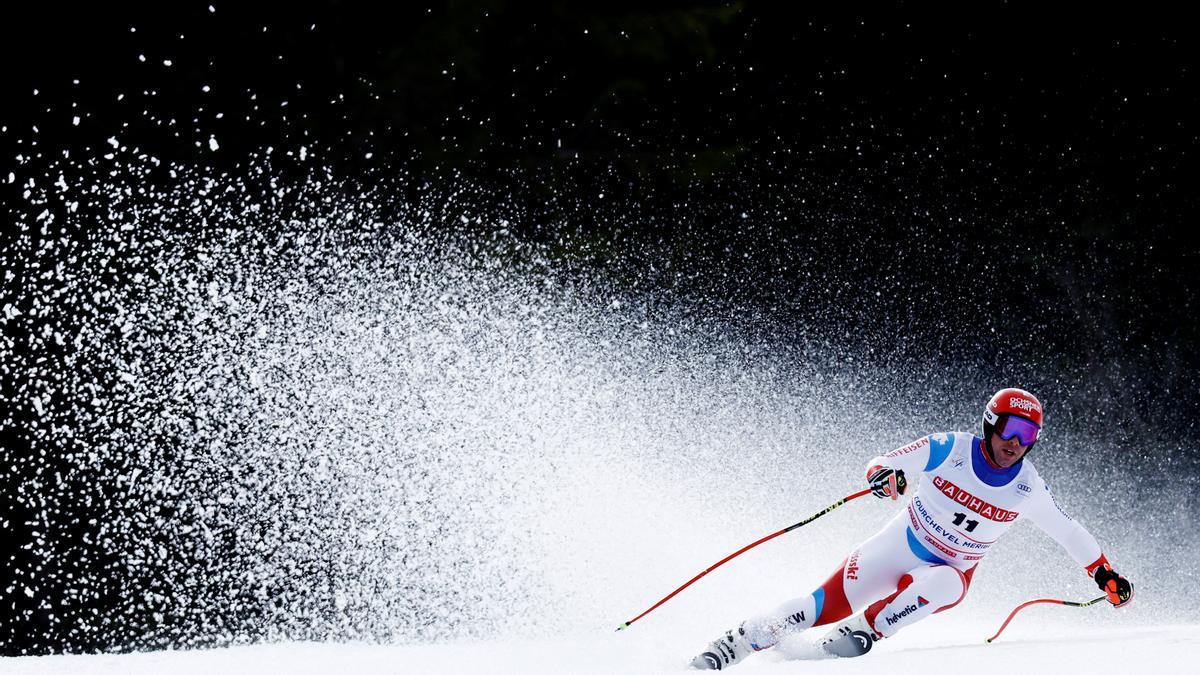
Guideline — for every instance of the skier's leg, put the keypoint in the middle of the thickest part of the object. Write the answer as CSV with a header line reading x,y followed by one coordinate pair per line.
x,y
875,570
828,603
871,572
925,590
921,592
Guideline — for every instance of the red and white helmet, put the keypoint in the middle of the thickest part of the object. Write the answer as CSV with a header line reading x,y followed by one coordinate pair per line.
x,y
1013,412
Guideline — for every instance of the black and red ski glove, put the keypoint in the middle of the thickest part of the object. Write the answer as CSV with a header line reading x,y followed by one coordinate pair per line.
x,y
1116,587
886,482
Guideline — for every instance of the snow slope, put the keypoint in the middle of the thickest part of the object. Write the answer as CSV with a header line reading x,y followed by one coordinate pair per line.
x,y
1160,649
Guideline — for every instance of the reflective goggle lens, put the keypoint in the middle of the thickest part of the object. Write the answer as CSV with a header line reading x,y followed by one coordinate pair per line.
x,y
1025,431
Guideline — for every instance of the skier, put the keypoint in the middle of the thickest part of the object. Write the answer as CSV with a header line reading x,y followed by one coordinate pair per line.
x,y
922,561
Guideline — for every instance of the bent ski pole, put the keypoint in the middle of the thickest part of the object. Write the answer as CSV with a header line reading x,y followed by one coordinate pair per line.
x,y
1023,605
742,550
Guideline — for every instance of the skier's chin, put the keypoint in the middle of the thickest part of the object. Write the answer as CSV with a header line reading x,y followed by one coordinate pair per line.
x,y
1006,458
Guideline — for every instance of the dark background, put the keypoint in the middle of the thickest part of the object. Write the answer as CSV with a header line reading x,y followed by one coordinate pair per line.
x,y
990,185
1055,146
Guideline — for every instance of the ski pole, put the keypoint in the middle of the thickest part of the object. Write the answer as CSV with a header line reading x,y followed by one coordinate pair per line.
x,y
742,550
1023,605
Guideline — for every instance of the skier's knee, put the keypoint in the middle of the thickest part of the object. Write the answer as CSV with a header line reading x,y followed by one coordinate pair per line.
x,y
947,585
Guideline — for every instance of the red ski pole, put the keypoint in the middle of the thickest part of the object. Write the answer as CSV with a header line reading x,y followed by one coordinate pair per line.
x,y
1023,605
742,550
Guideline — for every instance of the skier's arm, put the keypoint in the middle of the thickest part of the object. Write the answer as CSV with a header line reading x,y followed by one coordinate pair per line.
x,y
1045,512
906,463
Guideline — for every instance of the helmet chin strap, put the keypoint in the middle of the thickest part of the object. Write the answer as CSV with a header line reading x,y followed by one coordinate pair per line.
x,y
987,453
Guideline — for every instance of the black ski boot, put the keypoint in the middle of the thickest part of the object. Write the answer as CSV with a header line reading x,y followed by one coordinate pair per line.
x,y
725,652
854,637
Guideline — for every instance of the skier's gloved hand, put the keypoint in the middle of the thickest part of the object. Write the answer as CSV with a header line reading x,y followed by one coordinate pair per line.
x,y
1116,587
886,482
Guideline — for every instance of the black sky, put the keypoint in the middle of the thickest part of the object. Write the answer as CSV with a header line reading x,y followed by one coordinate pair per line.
x,y
1048,154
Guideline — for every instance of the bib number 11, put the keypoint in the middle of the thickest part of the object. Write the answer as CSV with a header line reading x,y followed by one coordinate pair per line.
x,y
971,524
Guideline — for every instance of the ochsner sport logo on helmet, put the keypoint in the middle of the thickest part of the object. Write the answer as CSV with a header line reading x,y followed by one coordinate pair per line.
x,y
1023,404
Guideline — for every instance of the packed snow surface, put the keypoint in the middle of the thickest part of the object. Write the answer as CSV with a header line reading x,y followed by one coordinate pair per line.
x,y
1157,649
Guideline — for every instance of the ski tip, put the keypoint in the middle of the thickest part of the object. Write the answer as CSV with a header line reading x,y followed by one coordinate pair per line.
x,y
623,626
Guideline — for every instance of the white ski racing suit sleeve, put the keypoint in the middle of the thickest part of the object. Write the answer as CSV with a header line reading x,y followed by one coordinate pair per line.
x,y
1043,510
912,459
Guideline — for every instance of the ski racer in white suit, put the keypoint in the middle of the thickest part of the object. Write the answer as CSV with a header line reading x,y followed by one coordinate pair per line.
x,y
973,490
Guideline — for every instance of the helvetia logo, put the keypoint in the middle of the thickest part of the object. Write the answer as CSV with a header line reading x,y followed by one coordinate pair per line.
x,y
895,618
921,602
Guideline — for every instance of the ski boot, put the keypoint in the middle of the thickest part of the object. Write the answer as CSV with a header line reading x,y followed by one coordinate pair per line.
x,y
725,652
854,637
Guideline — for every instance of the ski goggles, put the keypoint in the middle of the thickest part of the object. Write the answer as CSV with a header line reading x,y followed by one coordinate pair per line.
x,y
1025,431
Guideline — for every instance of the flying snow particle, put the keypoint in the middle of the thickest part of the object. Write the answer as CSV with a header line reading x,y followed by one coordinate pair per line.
x,y
212,144
75,121
114,142
167,63
303,153
211,9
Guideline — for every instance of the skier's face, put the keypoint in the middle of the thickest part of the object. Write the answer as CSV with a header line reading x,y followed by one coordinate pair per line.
x,y
1006,453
